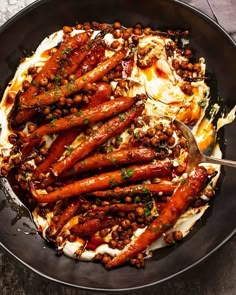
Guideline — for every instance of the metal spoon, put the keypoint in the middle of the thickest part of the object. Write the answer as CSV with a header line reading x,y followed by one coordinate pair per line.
x,y
195,155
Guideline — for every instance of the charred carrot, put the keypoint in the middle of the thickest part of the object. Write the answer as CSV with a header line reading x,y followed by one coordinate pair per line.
x,y
74,86
56,150
134,190
83,118
53,63
65,138
91,226
67,214
176,205
116,158
102,181
113,127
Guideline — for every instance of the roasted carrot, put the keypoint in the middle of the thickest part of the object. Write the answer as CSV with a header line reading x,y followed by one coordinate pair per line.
x,y
116,208
53,63
113,127
115,158
95,56
134,190
74,86
106,180
56,150
91,226
83,118
176,205
67,214
65,138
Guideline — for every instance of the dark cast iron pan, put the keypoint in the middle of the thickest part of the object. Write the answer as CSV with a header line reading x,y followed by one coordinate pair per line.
x,y
18,236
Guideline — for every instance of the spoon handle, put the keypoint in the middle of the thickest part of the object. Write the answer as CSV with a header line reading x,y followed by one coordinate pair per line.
x,y
213,160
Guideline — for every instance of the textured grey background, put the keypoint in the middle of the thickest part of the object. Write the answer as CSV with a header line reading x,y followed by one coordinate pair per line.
x,y
214,276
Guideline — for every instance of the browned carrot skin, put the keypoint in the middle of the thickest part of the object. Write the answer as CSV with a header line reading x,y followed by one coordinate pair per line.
x,y
113,127
134,190
74,86
116,208
91,226
90,61
65,138
53,64
56,150
103,181
67,214
95,56
83,118
116,158
176,205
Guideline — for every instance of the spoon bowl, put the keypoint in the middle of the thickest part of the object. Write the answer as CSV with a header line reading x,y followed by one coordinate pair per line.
x,y
195,155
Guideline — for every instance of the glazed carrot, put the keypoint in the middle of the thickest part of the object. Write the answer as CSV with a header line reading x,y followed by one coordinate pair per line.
x,y
113,127
90,61
65,138
176,205
138,189
82,118
67,214
74,86
130,174
101,95
91,226
116,158
56,150
53,63
95,56
116,208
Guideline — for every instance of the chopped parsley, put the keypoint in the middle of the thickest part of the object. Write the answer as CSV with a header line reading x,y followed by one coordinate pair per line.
x,y
86,120
202,103
69,148
183,181
137,199
66,51
126,173
122,117
109,149
58,80
52,123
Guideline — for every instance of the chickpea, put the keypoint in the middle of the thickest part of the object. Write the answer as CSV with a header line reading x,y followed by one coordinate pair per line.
x,y
178,235
117,25
104,232
115,44
106,259
113,244
155,141
125,223
169,131
128,199
147,30
159,126
131,216
175,64
190,67
182,142
126,35
43,151
186,88
115,235
139,211
77,99
43,81
67,29
197,67
188,53
138,31
169,239
25,84
171,141
151,132
117,34
184,64
12,138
